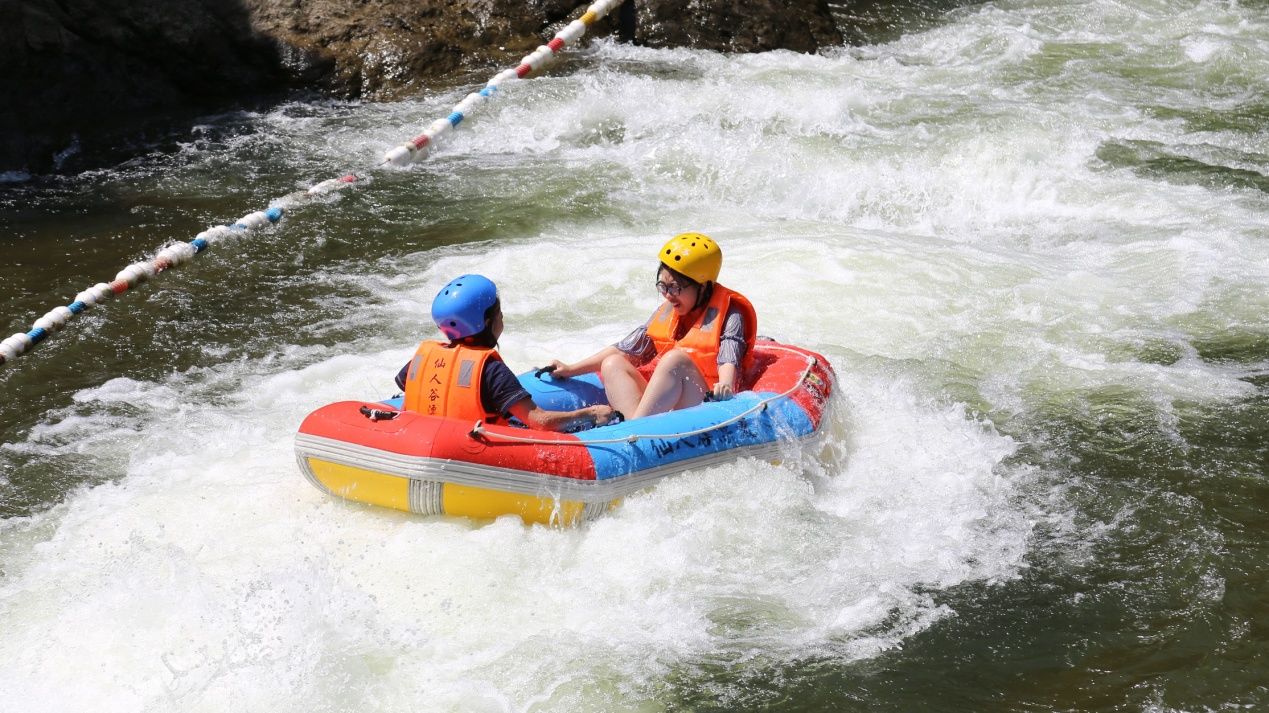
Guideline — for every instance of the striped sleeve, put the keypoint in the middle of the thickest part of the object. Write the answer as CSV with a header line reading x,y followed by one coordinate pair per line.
x,y
638,345
732,346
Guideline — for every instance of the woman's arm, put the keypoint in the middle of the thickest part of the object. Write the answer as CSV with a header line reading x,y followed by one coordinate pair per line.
x,y
586,366
636,348
731,350
726,386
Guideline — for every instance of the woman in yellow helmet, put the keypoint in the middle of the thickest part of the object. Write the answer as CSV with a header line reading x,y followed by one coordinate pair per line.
x,y
699,342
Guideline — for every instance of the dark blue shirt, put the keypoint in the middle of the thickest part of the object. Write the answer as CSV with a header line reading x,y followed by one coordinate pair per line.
x,y
499,387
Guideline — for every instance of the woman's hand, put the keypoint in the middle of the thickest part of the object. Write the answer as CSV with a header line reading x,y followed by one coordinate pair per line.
x,y
559,369
722,391
726,386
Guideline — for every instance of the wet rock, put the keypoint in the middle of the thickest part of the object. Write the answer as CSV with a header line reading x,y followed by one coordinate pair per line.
x,y
390,47
387,48
731,26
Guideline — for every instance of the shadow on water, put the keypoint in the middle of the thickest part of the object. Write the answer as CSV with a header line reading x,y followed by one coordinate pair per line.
x,y
1208,168
1245,118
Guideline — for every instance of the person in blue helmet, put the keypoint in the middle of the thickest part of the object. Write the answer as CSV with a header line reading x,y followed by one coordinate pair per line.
x,y
464,377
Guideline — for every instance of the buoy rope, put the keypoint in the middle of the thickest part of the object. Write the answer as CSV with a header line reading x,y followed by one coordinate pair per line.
x,y
811,362
177,254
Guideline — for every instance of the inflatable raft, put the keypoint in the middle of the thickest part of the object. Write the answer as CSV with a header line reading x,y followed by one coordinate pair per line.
x,y
377,453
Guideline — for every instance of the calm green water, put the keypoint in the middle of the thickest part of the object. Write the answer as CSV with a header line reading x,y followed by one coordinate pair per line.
x,y
1030,236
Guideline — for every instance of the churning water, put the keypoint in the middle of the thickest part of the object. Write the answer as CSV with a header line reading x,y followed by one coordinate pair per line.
x,y
1032,240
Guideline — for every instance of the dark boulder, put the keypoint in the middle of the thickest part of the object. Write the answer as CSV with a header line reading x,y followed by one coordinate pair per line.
x,y
387,48
732,26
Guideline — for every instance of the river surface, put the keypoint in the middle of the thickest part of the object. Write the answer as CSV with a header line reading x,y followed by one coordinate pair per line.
x,y
1032,237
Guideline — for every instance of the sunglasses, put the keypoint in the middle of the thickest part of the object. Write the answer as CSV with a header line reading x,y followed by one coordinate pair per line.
x,y
669,289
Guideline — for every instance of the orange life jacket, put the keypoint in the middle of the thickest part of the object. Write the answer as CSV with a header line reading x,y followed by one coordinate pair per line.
x,y
444,380
703,337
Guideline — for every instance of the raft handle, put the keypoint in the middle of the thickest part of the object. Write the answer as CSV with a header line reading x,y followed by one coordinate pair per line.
x,y
538,372
375,414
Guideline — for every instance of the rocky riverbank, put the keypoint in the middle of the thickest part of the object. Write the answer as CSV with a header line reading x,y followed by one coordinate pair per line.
x,y
74,73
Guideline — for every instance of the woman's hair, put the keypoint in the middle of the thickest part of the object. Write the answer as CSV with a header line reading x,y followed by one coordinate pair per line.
x,y
679,277
485,337
702,295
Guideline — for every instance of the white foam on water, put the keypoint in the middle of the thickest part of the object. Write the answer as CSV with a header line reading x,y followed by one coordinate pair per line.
x,y
214,576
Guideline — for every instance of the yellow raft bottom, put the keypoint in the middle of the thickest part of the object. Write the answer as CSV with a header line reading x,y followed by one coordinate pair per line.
x,y
437,498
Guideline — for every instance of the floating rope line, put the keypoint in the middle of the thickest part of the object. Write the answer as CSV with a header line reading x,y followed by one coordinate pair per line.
x,y
415,149
479,429
169,257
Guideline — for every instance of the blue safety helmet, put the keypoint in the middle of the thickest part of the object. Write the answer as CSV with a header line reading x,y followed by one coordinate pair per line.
x,y
459,308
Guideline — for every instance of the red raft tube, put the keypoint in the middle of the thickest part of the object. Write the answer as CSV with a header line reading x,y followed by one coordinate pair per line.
x,y
378,454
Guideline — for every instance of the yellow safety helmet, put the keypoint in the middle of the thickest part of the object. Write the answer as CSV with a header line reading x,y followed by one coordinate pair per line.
x,y
695,255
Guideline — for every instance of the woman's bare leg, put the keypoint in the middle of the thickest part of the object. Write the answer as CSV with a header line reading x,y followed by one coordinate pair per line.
x,y
676,383
623,383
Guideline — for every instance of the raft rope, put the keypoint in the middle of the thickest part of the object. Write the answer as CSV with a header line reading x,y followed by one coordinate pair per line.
x,y
415,149
478,431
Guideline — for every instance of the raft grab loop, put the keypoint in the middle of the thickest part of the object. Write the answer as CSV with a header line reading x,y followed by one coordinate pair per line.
x,y
376,414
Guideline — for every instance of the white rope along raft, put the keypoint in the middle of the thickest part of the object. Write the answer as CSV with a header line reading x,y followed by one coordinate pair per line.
x,y
177,254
